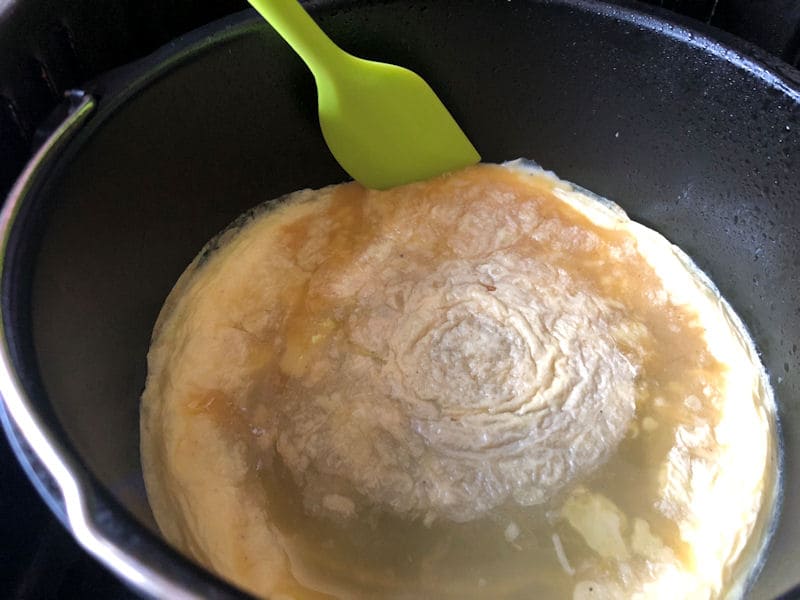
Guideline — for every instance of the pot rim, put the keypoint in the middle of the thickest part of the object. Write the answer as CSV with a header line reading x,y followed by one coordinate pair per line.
x,y
53,466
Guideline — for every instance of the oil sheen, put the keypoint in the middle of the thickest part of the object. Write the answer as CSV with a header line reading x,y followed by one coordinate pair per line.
x,y
489,385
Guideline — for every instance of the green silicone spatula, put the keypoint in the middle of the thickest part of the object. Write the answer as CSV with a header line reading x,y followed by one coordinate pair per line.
x,y
383,123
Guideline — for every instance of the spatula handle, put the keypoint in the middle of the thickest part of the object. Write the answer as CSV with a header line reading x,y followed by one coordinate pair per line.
x,y
295,26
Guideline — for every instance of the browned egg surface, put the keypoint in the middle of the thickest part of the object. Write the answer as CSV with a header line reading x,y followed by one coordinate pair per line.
x,y
485,385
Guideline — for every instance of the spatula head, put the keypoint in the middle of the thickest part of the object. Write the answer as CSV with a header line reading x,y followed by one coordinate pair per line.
x,y
386,126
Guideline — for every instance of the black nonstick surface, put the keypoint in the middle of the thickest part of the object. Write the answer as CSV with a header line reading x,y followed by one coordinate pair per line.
x,y
686,134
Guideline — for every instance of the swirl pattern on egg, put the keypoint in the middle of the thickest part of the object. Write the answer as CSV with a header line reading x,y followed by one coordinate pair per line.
x,y
488,381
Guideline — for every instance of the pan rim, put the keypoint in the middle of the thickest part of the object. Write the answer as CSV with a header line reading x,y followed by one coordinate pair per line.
x,y
750,59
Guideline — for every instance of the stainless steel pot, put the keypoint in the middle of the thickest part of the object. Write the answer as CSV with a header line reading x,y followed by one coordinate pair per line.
x,y
696,137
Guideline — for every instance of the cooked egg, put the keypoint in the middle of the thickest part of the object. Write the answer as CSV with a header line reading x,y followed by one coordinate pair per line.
x,y
491,384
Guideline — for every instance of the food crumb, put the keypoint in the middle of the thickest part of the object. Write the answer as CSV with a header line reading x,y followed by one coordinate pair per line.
x,y
562,556
512,532
693,402
339,504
